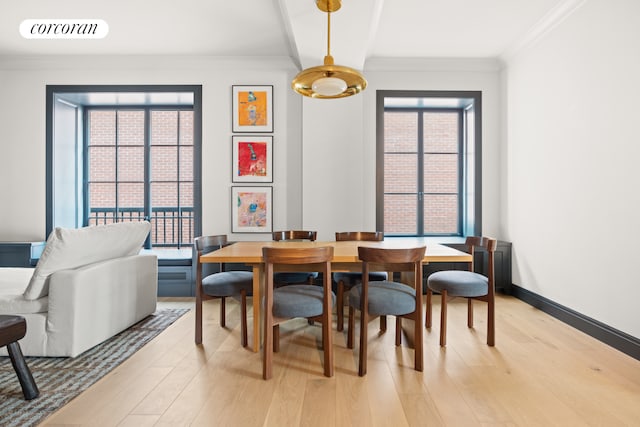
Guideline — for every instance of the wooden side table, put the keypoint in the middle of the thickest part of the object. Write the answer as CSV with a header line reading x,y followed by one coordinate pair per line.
x,y
13,328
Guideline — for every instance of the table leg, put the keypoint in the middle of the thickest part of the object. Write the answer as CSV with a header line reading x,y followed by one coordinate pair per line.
x,y
29,387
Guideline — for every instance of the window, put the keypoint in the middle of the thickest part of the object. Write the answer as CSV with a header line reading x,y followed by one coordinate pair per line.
x,y
126,153
428,155
124,147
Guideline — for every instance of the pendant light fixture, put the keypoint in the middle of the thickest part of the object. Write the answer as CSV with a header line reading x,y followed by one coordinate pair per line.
x,y
329,80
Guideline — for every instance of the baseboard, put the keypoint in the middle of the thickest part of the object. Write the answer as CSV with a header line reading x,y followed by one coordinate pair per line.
x,y
598,330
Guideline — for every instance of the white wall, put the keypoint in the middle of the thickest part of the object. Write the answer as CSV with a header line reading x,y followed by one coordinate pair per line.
x,y
22,123
572,149
334,160
22,143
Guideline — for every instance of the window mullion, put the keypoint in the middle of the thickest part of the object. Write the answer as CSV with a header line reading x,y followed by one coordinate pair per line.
x,y
115,153
85,166
420,177
147,171
462,125
178,201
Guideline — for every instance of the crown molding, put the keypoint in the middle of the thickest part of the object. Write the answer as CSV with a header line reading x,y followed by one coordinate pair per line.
x,y
179,62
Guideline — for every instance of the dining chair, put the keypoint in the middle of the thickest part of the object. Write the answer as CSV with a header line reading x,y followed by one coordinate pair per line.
x,y
381,298
346,280
220,284
468,284
287,278
297,300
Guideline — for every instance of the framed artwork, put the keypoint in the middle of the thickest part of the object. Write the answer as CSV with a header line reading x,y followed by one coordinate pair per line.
x,y
252,108
251,209
252,158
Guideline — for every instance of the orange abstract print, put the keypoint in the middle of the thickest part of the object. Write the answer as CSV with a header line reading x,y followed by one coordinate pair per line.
x,y
252,108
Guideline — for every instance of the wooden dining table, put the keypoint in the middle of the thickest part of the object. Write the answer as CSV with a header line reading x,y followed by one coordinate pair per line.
x,y
345,258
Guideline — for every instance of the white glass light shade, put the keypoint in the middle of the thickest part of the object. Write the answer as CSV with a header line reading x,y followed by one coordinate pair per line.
x,y
329,86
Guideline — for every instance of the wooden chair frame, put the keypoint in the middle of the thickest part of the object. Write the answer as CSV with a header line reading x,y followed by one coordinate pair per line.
x,y
308,259
205,243
294,235
489,244
390,260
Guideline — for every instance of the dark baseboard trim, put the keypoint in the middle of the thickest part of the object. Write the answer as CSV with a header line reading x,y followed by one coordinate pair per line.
x,y
598,330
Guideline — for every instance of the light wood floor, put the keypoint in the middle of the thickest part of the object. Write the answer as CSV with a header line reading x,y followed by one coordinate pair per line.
x,y
541,373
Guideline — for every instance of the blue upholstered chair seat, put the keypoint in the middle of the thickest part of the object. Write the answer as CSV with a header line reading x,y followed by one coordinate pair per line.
x,y
228,283
299,301
293,277
459,283
386,298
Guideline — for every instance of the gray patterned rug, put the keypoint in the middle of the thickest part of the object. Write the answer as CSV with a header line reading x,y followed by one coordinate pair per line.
x,y
60,379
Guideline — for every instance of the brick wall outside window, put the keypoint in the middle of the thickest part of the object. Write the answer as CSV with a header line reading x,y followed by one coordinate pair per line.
x,y
440,132
119,168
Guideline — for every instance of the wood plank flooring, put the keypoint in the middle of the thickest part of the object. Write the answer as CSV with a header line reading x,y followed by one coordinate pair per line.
x,y
541,373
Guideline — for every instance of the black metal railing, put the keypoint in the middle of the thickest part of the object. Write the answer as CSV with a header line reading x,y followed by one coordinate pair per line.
x,y
171,227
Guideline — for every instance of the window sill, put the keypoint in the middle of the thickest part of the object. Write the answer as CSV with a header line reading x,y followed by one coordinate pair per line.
x,y
170,257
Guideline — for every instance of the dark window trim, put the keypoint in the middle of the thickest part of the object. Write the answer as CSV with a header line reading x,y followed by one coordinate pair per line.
x,y
380,109
52,90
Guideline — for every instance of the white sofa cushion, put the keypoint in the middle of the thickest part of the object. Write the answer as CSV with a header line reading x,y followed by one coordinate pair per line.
x,y
18,304
71,248
13,282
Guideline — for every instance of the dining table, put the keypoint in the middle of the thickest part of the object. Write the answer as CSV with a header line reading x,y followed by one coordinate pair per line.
x,y
345,259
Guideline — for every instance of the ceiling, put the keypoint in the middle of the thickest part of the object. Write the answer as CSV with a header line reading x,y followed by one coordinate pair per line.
x,y
362,30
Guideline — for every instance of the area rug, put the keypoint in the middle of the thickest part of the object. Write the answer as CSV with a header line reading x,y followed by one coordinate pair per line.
x,y
60,379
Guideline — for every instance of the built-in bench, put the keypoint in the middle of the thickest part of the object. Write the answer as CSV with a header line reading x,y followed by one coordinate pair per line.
x,y
20,254
176,276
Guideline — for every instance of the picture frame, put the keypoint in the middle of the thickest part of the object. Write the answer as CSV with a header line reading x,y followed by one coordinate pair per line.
x,y
252,158
252,108
251,209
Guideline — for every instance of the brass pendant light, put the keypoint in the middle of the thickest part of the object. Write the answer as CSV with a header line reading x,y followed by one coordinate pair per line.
x,y
329,80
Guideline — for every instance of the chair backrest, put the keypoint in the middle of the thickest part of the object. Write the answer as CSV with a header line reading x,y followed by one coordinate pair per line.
x,y
209,243
297,256
372,236
388,259
294,235
313,259
489,244
393,260
205,244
